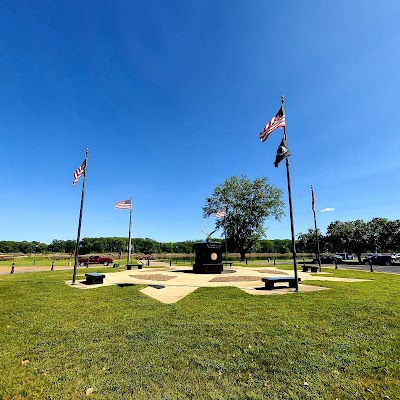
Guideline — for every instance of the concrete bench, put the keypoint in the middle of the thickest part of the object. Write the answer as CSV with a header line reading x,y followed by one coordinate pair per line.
x,y
129,266
93,278
313,268
227,263
270,281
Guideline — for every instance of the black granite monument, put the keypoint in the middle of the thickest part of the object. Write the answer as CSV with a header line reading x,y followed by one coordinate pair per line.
x,y
208,258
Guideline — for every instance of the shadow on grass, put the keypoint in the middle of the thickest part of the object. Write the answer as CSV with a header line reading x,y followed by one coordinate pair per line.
x,y
185,271
157,286
122,285
275,287
190,271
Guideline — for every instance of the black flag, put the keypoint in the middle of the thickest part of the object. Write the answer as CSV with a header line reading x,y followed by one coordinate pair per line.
x,y
282,152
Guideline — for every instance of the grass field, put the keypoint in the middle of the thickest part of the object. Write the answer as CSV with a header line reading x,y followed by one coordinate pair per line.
x,y
114,342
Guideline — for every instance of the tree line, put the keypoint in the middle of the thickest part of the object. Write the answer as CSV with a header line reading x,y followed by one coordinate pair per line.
x,y
120,244
380,235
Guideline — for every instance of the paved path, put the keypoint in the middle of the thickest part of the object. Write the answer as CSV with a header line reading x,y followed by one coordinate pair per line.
x,y
5,270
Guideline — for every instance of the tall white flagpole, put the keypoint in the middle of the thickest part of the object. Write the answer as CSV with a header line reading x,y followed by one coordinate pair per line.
x,y
315,225
290,207
226,243
130,235
80,220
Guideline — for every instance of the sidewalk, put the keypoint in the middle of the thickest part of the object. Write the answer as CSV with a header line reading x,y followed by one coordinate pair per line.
x,y
6,269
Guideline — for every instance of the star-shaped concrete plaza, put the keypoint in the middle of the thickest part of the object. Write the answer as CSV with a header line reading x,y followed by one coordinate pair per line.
x,y
170,284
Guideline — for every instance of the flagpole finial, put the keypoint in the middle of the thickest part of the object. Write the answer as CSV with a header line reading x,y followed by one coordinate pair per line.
x,y
283,99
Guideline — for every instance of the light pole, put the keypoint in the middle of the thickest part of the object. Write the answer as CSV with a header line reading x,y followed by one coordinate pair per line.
x,y
376,242
34,257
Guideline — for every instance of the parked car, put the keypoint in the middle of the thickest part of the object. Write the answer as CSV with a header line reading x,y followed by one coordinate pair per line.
x,y
329,259
95,260
396,256
371,255
147,257
380,259
345,256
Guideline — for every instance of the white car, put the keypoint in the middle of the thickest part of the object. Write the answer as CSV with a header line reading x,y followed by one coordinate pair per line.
x,y
396,256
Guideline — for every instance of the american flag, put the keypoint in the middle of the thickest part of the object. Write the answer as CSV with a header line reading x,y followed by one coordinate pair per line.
x,y
277,122
220,213
79,171
124,205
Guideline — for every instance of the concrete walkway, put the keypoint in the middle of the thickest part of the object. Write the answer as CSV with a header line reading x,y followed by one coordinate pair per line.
x,y
170,284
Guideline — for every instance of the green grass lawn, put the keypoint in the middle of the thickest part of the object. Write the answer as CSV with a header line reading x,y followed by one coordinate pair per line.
x,y
216,343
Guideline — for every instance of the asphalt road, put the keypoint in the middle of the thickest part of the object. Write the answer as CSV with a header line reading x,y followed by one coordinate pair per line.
x,y
391,269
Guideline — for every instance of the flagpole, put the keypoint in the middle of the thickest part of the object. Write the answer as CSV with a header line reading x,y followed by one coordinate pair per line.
x,y
130,234
290,207
80,220
316,229
226,243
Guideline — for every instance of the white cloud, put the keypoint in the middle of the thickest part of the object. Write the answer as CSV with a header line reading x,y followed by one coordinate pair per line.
x,y
328,209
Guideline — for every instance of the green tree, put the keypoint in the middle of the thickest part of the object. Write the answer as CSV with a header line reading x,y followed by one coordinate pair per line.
x,y
248,204
57,246
70,246
349,237
266,246
146,245
307,242
383,235
282,246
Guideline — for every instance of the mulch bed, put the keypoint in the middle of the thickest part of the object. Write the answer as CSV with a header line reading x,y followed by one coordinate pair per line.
x,y
271,271
235,279
153,277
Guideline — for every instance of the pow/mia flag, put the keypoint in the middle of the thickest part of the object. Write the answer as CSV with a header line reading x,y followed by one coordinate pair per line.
x,y
282,152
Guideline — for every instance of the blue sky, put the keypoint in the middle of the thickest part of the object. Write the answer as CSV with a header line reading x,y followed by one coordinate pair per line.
x,y
170,97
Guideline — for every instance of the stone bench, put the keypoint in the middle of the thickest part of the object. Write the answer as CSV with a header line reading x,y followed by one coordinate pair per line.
x,y
93,278
129,266
270,281
313,268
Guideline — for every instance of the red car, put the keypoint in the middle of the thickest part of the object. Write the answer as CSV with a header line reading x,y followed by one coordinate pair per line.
x,y
94,260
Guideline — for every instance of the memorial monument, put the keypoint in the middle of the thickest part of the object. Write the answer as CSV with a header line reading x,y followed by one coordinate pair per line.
x,y
208,257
